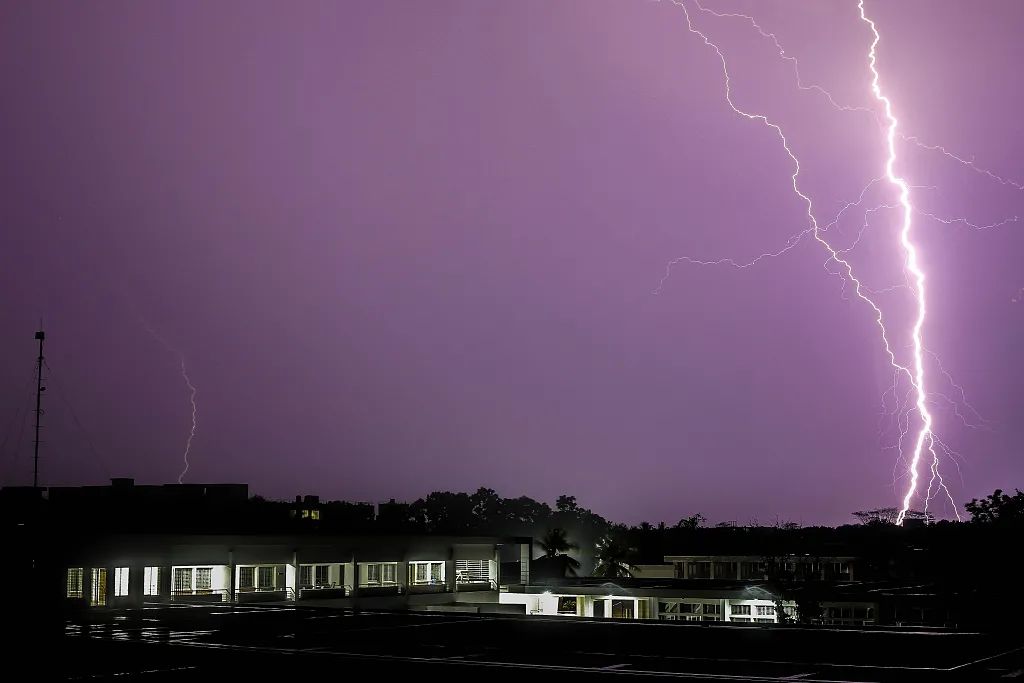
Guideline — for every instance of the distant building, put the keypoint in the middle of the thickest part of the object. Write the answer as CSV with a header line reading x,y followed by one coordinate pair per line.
x,y
127,544
392,572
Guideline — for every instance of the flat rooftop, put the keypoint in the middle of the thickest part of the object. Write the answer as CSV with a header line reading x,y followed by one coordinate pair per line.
x,y
187,643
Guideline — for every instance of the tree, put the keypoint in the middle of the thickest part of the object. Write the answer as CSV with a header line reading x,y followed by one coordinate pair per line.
x,y
613,557
692,522
556,560
889,516
998,507
487,508
444,512
879,516
566,504
808,606
555,542
525,514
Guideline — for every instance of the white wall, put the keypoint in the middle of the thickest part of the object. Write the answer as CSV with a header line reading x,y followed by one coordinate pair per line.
x,y
532,602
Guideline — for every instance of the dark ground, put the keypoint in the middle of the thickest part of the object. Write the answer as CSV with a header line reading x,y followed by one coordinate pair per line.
x,y
192,643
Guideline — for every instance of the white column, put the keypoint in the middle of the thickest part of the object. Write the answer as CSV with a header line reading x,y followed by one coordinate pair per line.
x,y
291,576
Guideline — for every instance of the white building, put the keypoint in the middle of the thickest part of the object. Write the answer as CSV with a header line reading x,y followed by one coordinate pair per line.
x,y
384,571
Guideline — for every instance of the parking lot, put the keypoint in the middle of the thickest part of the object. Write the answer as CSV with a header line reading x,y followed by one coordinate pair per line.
x,y
183,642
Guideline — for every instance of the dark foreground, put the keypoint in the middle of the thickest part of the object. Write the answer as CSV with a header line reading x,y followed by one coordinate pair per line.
x,y
192,643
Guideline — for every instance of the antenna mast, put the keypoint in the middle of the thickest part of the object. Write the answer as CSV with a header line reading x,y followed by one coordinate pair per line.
x,y
40,335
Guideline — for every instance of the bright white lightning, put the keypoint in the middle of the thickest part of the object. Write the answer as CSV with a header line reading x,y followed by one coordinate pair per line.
x,y
925,437
815,229
910,139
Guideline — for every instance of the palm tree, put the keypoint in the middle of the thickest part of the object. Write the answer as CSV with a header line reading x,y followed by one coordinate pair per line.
x,y
612,556
555,542
556,546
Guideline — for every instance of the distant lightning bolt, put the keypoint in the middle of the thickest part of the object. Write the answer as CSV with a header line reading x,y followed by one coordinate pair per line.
x,y
191,389
192,432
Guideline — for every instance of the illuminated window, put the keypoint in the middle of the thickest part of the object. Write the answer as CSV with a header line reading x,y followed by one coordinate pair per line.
x,y
151,581
422,573
623,609
204,579
183,579
712,608
567,604
380,574
120,582
314,514
74,582
740,609
246,578
266,576
314,576
305,514
766,610
473,571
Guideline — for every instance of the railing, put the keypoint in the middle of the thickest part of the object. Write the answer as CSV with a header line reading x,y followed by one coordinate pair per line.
x,y
264,594
491,584
429,587
382,589
329,591
200,595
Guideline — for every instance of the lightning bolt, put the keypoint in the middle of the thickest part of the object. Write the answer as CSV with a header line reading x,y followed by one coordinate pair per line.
x,y
192,400
813,87
924,438
915,372
188,383
969,163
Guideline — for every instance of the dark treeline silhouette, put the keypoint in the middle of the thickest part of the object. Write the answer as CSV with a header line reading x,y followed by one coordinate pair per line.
x,y
573,540
592,544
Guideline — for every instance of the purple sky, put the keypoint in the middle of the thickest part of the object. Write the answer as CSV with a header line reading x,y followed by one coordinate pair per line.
x,y
408,246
